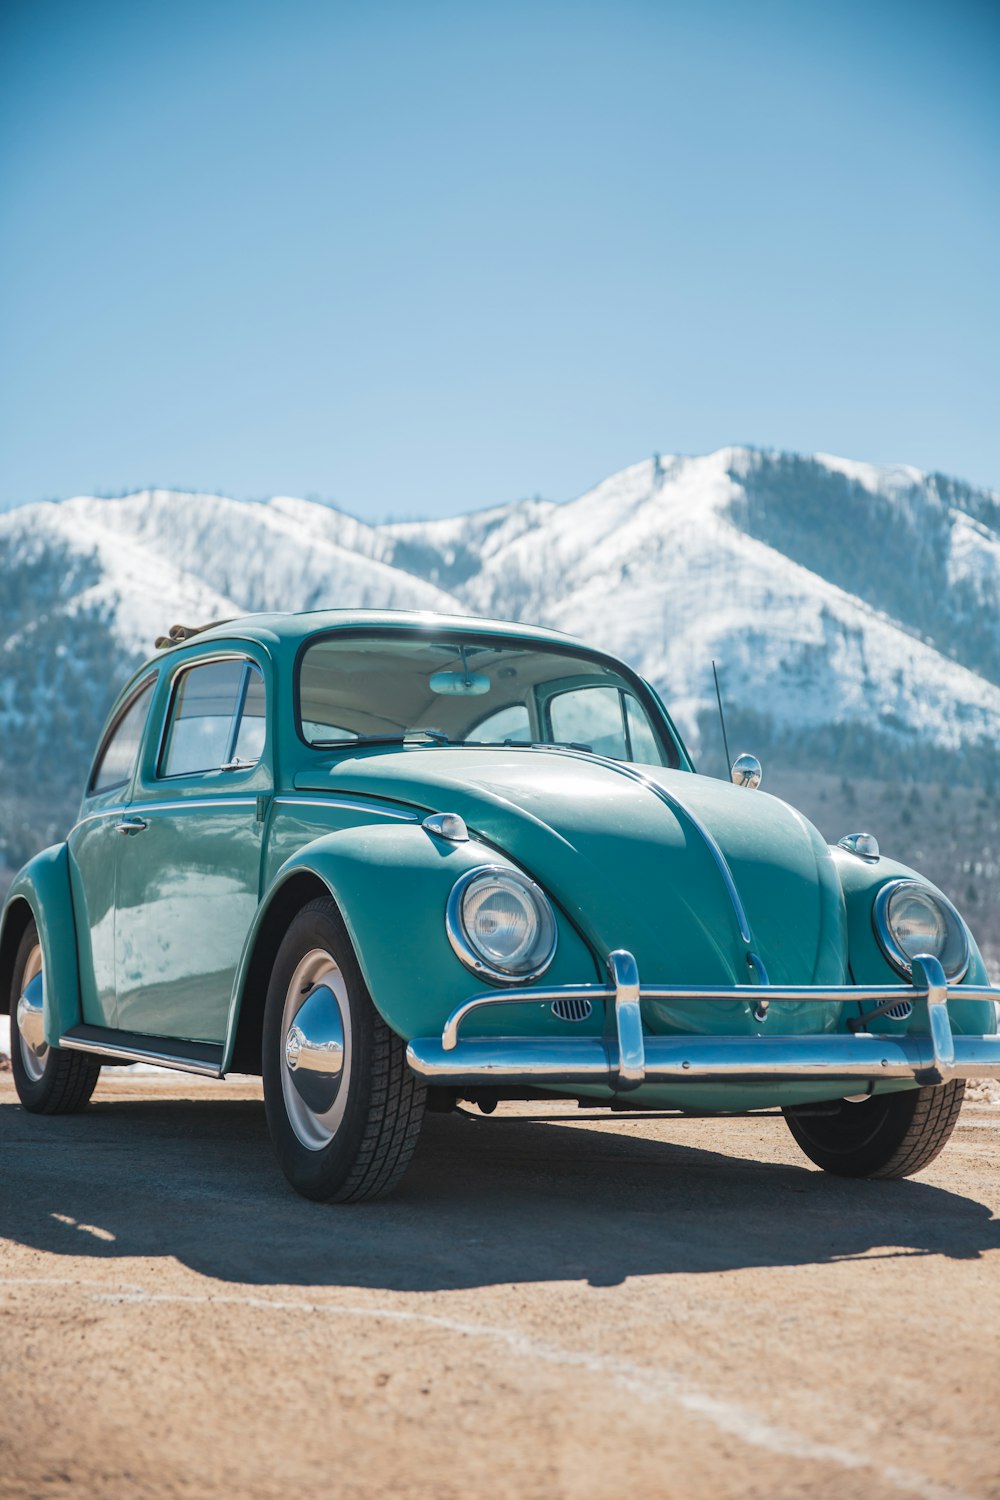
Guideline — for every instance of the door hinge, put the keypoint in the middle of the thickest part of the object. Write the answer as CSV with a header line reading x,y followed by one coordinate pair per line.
x,y
263,802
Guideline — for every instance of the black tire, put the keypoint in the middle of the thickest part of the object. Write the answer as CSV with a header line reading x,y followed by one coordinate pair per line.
x,y
888,1135
49,1081
379,1100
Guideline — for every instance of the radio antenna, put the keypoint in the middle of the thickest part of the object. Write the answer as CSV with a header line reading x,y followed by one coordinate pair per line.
x,y
722,717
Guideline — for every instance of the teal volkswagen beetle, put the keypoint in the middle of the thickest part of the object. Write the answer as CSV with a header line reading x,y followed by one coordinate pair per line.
x,y
388,860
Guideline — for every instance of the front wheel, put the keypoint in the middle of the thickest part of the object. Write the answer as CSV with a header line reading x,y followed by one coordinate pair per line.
x,y
888,1135
49,1080
343,1107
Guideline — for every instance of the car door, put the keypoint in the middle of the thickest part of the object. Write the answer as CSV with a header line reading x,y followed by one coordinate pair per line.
x,y
93,852
188,879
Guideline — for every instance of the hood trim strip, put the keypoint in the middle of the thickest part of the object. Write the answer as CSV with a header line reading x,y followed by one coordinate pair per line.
x,y
676,805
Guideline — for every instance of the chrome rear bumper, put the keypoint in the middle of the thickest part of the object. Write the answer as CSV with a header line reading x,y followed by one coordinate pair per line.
x,y
626,1057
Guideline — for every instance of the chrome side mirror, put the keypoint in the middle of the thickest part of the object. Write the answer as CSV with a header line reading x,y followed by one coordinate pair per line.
x,y
747,772
864,845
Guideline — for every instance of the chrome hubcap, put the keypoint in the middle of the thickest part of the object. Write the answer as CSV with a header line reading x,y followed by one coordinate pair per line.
x,y
30,1017
316,1049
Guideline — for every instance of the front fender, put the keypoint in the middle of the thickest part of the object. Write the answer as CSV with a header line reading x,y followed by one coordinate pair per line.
x,y
391,885
43,887
862,880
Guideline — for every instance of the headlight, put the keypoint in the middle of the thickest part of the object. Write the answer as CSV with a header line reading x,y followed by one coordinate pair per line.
x,y
910,919
500,924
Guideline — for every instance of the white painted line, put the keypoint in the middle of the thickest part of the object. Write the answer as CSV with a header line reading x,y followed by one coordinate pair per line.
x,y
642,1381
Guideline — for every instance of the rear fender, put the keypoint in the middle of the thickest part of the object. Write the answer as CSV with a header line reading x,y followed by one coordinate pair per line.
x,y
42,890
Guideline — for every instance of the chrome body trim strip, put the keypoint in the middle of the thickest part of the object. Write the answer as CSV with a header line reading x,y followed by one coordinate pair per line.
x,y
181,804
95,817
125,1054
177,805
350,803
625,1057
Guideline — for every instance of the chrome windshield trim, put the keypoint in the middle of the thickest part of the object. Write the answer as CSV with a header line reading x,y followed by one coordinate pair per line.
x,y
351,804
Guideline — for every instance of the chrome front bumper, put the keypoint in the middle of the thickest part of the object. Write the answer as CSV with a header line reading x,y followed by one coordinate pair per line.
x,y
626,1057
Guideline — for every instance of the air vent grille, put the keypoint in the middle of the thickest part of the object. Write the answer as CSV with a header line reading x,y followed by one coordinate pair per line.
x,y
572,1010
901,1012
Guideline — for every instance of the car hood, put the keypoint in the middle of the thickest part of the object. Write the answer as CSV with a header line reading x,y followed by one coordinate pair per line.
x,y
628,869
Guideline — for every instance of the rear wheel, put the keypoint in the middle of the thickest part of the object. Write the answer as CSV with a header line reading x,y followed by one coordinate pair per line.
x,y
343,1108
888,1135
48,1080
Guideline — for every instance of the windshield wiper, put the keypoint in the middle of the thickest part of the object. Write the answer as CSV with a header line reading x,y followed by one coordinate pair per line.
x,y
553,745
410,737
533,745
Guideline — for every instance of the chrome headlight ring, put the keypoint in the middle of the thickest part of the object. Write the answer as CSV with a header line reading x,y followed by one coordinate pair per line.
x,y
501,924
909,919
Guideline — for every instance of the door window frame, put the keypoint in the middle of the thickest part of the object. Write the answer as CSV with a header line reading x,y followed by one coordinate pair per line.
x,y
191,664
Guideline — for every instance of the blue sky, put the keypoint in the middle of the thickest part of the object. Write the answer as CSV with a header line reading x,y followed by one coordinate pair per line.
x,y
423,257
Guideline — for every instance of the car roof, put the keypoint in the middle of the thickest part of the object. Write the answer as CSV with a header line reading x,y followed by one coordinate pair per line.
x,y
294,627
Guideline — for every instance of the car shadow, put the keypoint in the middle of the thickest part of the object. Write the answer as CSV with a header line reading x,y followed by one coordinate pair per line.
x,y
486,1201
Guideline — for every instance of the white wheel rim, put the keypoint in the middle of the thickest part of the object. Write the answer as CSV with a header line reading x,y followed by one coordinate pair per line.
x,y
30,1017
315,1055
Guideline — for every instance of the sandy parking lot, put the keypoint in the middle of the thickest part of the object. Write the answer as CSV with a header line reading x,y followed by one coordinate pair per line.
x,y
550,1306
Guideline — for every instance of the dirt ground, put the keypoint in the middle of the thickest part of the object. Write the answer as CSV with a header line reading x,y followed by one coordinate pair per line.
x,y
550,1306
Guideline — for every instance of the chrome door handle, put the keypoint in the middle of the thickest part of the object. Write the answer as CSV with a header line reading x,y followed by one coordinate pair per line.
x,y
131,825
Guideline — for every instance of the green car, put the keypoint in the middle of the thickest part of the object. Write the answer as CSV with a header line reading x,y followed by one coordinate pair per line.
x,y
390,861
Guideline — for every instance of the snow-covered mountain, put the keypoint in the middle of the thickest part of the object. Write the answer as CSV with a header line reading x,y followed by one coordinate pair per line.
x,y
854,611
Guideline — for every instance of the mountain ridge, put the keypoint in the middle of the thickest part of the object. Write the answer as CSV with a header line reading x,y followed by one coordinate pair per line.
x,y
854,610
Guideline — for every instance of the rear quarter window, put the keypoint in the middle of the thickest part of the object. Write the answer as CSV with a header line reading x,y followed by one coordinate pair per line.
x,y
117,755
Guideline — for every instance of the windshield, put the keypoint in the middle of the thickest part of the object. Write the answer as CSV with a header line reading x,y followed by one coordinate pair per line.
x,y
471,692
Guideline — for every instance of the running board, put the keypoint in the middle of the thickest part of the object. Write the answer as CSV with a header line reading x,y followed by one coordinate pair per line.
x,y
132,1047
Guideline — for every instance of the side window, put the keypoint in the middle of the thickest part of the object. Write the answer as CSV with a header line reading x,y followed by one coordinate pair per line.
x,y
216,719
642,740
590,716
611,722
117,758
509,723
